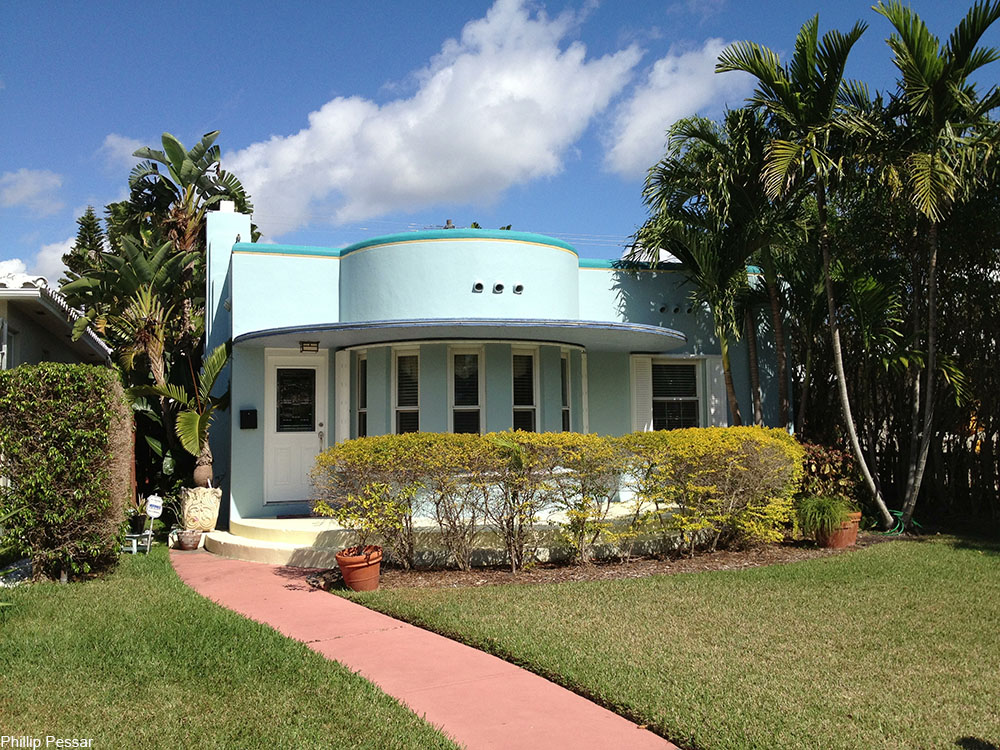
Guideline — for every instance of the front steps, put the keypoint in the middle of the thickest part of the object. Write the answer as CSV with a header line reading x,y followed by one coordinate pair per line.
x,y
298,542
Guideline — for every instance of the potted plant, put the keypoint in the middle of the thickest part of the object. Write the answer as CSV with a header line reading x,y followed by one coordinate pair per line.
x,y
832,519
372,512
136,514
186,533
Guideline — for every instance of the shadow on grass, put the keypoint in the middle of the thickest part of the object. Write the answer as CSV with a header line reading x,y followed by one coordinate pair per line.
x,y
979,544
974,743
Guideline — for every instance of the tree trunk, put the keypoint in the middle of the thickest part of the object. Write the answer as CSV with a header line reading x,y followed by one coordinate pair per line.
x,y
927,424
734,404
838,360
751,326
203,475
778,323
800,408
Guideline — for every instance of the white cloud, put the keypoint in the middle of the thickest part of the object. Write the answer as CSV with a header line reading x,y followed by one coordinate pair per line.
x,y
499,106
35,189
117,150
12,265
679,84
48,261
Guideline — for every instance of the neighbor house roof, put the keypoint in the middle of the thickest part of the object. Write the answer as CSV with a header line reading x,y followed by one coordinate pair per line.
x,y
35,294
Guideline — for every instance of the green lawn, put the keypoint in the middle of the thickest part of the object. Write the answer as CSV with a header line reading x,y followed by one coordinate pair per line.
x,y
894,646
140,660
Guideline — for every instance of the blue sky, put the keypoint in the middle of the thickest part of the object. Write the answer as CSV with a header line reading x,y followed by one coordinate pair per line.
x,y
348,120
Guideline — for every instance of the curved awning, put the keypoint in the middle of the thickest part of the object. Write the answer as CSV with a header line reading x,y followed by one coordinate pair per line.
x,y
590,334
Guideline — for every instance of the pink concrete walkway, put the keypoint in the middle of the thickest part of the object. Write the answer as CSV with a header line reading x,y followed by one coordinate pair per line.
x,y
477,699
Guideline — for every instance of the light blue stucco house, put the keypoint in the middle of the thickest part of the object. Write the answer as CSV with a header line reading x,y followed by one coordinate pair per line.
x,y
445,330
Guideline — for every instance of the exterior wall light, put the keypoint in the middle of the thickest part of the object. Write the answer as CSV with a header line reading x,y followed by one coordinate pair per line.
x,y
308,346
498,288
478,287
518,288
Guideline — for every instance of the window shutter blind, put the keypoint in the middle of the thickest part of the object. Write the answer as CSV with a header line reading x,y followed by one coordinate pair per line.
x,y
642,393
406,381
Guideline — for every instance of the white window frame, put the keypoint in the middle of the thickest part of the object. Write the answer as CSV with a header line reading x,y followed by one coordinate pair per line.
x,y
533,353
566,412
396,408
480,352
362,357
698,377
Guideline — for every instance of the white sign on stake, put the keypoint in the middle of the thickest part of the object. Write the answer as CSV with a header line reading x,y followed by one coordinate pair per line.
x,y
154,506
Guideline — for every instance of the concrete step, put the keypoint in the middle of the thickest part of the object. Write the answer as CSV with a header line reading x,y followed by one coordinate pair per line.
x,y
308,532
235,547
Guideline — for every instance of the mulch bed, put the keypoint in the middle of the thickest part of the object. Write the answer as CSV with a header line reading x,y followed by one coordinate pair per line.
x,y
774,554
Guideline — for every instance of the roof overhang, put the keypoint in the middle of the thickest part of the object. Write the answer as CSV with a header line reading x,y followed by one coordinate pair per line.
x,y
49,310
589,334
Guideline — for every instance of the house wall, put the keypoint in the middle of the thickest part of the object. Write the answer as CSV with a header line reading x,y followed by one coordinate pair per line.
x,y
407,279
30,343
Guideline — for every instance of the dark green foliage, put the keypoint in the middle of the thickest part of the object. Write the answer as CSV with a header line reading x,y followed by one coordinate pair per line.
x,y
90,243
65,442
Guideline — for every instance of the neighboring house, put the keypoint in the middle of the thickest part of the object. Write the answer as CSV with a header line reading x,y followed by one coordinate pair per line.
x,y
446,330
36,325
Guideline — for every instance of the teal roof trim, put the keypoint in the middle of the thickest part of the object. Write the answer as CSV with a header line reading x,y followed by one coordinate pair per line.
x,y
268,249
459,234
616,264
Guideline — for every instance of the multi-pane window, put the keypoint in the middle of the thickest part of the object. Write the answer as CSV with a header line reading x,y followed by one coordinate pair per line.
x,y
296,400
465,411
407,393
564,380
675,396
524,391
362,396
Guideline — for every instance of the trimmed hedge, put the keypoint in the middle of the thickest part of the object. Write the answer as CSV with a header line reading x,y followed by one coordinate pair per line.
x,y
65,451
710,486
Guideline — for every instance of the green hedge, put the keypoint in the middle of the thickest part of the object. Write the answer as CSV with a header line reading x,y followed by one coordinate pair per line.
x,y
708,487
65,453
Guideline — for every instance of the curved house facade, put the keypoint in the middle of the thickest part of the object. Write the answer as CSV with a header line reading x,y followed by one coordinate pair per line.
x,y
446,330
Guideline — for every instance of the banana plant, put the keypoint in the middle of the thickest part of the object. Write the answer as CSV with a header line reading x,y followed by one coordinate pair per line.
x,y
196,410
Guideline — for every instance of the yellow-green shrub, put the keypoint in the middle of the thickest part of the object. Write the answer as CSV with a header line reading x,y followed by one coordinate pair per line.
x,y
730,485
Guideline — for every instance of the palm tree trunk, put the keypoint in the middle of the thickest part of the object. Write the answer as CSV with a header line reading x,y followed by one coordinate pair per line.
x,y
927,427
751,326
734,404
777,321
800,411
838,359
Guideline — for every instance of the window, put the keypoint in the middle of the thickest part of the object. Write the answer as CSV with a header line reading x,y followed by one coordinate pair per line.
x,y
296,400
675,396
362,396
564,378
466,392
407,393
525,388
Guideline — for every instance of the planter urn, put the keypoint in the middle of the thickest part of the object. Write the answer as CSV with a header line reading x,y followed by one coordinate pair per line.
x,y
360,567
200,507
845,535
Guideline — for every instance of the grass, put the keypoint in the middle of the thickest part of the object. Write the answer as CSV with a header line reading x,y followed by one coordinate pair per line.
x,y
138,659
894,646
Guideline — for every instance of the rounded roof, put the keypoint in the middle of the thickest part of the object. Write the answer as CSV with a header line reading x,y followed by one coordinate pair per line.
x,y
503,235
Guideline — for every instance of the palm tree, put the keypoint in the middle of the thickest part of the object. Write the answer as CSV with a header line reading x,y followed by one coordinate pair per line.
x,y
947,139
806,98
197,410
175,203
711,179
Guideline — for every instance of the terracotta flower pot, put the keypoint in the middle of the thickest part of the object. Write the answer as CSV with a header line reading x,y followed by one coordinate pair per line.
x,y
845,535
360,571
188,538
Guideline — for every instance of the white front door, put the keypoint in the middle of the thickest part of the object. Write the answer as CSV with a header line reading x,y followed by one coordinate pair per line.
x,y
295,428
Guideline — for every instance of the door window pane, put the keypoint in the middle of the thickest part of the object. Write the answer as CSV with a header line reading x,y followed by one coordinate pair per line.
x,y
296,396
